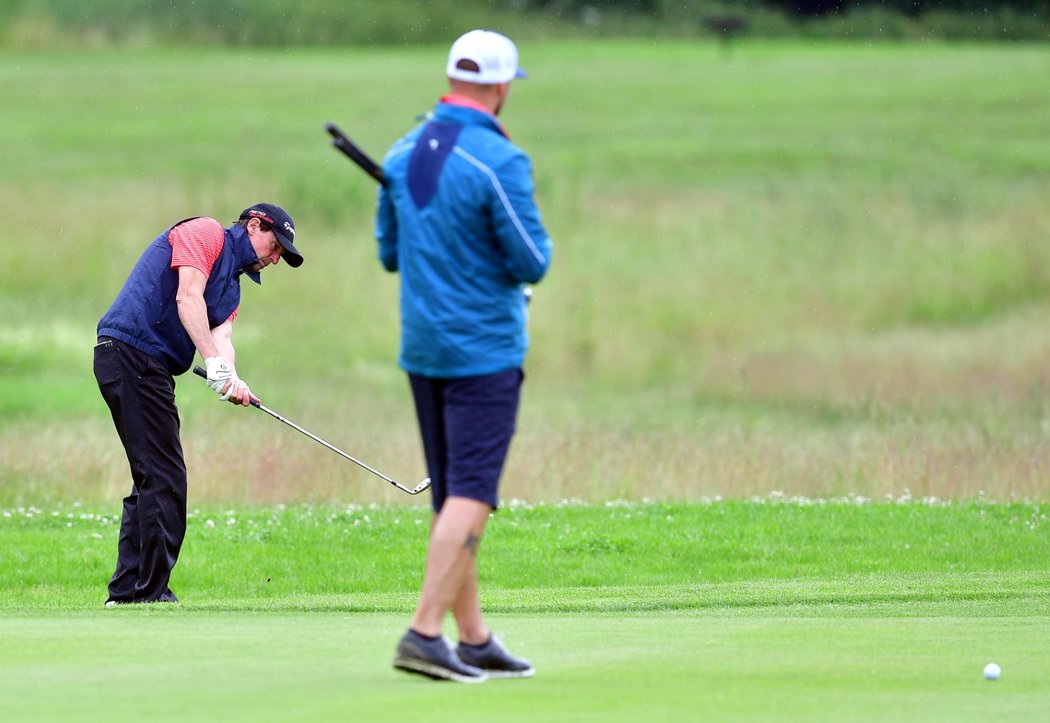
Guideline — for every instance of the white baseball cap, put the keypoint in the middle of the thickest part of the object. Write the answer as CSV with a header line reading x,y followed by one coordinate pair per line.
x,y
495,57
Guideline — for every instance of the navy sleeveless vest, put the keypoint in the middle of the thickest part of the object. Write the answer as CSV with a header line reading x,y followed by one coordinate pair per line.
x,y
145,315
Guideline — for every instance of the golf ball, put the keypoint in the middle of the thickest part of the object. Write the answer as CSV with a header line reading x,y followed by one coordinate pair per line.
x,y
992,671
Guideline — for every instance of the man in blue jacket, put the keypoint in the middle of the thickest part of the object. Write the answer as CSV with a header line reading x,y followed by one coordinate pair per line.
x,y
181,297
458,221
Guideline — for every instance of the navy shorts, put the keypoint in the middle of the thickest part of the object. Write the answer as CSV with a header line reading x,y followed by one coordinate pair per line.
x,y
466,425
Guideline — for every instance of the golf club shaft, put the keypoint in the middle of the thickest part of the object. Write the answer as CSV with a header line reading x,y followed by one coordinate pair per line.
x,y
419,488
353,151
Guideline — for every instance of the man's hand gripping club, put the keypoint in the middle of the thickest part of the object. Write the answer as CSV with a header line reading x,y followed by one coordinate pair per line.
x,y
225,382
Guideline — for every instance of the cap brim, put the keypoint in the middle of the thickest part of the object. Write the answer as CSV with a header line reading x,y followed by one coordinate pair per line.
x,y
291,255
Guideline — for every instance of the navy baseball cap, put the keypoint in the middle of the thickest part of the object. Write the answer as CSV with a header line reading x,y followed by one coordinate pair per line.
x,y
283,228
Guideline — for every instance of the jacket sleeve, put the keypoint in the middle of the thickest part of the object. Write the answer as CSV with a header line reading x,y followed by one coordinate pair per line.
x,y
386,230
517,222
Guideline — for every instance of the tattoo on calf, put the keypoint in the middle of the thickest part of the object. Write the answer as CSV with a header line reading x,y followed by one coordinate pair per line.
x,y
472,543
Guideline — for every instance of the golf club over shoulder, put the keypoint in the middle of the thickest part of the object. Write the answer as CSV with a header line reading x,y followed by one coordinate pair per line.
x,y
365,162
354,152
199,371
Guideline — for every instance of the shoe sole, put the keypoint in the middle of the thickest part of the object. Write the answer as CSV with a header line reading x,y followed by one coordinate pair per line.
x,y
437,672
510,673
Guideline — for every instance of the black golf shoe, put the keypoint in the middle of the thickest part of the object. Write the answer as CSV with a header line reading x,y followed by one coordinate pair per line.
x,y
494,659
434,659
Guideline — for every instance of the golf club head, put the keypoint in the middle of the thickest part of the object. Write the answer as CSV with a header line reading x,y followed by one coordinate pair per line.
x,y
421,486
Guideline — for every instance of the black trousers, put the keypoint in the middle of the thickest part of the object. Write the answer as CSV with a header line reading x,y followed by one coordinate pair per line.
x,y
141,397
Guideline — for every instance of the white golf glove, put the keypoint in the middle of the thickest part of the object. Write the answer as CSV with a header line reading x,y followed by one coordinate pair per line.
x,y
219,375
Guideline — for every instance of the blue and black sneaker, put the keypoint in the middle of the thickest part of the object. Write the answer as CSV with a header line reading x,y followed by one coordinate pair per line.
x,y
492,658
434,659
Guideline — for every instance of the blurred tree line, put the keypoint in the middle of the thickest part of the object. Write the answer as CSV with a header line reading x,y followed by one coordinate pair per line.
x,y
46,23
801,7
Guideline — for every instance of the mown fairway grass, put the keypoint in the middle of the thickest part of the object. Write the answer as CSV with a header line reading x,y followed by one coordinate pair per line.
x,y
774,609
723,665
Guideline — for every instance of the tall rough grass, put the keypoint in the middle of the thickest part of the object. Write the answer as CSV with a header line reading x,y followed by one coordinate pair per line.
x,y
814,269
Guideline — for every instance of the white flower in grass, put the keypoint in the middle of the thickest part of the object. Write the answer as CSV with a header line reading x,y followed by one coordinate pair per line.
x,y
230,521
209,523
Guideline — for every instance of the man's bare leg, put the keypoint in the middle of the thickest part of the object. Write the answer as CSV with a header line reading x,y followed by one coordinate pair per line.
x,y
451,574
451,583
466,609
477,645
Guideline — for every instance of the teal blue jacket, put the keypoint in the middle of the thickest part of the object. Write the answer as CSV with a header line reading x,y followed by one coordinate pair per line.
x,y
458,221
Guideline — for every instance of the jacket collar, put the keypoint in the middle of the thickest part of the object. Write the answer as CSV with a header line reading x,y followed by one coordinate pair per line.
x,y
244,253
460,109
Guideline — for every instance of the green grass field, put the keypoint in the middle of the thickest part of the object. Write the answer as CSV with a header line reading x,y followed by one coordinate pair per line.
x,y
788,609
723,665
783,450
808,268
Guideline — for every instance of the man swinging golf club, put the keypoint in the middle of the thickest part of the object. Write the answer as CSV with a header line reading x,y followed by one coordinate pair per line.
x,y
181,297
458,220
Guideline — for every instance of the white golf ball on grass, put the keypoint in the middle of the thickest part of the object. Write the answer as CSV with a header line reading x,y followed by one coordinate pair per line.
x,y
992,671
